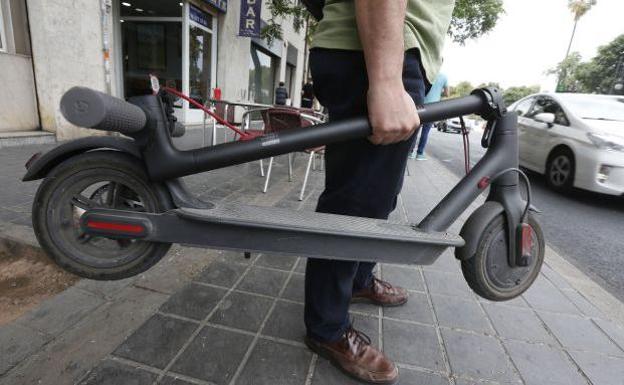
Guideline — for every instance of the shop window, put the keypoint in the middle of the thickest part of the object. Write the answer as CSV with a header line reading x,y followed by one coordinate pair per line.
x,y
151,47
262,69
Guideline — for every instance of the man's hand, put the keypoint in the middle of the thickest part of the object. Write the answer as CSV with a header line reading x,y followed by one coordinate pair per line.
x,y
391,110
392,113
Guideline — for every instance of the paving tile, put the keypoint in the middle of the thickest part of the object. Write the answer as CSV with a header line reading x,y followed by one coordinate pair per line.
x,y
556,278
367,325
460,313
263,281
365,308
478,356
543,295
600,369
295,288
110,372
518,324
540,364
281,262
286,321
194,301
213,355
613,330
242,311
221,273
272,363
18,342
173,380
583,304
516,302
447,283
416,309
447,263
157,341
579,334
407,277
413,377
301,265
423,350
61,311
464,381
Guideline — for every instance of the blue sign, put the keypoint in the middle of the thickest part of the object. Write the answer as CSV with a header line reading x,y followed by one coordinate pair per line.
x,y
221,5
199,16
250,18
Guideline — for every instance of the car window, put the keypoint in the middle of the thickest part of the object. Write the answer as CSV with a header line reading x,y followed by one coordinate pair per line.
x,y
545,104
524,106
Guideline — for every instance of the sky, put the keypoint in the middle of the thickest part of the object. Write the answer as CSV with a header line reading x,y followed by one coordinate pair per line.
x,y
530,38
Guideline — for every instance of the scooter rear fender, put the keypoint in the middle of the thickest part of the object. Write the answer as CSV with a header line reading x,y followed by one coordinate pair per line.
x,y
43,163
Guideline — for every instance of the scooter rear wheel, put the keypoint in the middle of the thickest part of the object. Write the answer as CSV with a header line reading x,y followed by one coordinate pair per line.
x,y
100,179
488,272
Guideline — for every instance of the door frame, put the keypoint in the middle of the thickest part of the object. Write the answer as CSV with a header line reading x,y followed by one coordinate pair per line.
x,y
194,115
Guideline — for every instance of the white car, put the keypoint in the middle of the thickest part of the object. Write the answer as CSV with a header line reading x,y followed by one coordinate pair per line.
x,y
575,140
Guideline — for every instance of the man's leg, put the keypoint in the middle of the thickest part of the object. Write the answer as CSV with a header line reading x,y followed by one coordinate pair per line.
x,y
362,179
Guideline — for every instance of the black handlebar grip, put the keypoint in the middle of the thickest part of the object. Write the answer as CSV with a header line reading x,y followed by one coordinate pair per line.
x,y
85,107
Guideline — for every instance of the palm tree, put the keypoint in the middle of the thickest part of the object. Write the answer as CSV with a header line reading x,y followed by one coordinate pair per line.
x,y
578,9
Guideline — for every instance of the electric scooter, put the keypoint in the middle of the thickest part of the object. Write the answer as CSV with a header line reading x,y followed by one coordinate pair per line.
x,y
110,207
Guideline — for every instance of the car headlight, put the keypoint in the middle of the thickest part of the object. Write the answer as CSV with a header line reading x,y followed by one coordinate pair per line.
x,y
605,142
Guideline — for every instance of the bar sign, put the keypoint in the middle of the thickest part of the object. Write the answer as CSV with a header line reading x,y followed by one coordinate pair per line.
x,y
250,18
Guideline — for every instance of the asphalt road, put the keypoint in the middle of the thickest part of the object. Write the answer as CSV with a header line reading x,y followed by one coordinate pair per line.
x,y
584,227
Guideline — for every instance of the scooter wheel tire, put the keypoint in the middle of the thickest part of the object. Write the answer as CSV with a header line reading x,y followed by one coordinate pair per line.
x,y
488,272
98,179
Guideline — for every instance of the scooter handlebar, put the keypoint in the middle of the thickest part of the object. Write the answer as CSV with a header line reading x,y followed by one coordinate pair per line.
x,y
88,108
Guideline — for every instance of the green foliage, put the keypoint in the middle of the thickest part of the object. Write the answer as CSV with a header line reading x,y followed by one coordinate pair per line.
x,y
510,94
471,18
279,10
597,75
474,18
513,94
461,89
580,7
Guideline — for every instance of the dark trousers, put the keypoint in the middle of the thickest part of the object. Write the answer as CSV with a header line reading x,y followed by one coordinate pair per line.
x,y
361,179
424,136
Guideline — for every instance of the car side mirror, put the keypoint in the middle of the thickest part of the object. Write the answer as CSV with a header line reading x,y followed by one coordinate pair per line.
x,y
545,117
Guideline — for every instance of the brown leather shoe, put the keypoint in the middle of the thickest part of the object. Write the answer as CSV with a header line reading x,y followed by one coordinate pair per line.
x,y
381,293
355,357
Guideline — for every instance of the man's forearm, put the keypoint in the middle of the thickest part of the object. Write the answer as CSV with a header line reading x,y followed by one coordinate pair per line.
x,y
380,26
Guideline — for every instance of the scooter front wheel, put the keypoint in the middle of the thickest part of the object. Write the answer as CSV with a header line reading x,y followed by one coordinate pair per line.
x,y
100,179
488,272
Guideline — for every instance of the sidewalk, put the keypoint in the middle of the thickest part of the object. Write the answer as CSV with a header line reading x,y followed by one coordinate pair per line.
x,y
210,317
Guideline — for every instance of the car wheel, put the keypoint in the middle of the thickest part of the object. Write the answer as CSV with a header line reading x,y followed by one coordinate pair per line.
x,y
560,170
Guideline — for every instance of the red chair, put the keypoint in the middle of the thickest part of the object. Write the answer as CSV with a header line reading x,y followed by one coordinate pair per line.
x,y
281,119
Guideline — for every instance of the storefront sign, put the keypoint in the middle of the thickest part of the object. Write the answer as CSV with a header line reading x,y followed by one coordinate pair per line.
x,y
199,16
221,5
250,18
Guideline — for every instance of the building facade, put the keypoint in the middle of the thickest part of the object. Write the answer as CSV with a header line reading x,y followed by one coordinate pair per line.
x,y
113,45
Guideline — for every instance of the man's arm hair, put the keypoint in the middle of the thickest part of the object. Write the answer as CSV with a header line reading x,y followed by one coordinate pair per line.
x,y
380,26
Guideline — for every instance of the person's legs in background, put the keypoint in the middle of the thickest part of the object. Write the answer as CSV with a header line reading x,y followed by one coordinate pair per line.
x,y
424,136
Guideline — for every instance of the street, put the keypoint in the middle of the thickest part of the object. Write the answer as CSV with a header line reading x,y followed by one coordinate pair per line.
x,y
582,226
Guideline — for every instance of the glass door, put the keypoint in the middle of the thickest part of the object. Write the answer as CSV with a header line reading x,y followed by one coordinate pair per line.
x,y
201,60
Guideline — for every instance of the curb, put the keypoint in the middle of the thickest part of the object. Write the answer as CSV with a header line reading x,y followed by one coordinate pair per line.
x,y
581,282
19,241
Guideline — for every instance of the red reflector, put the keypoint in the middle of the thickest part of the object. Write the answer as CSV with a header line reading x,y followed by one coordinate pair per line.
x,y
483,182
119,227
527,239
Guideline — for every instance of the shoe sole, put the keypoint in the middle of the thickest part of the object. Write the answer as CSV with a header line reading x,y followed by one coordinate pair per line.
x,y
378,303
333,361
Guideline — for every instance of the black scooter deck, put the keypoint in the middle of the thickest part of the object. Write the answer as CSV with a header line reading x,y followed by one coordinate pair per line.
x,y
278,230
